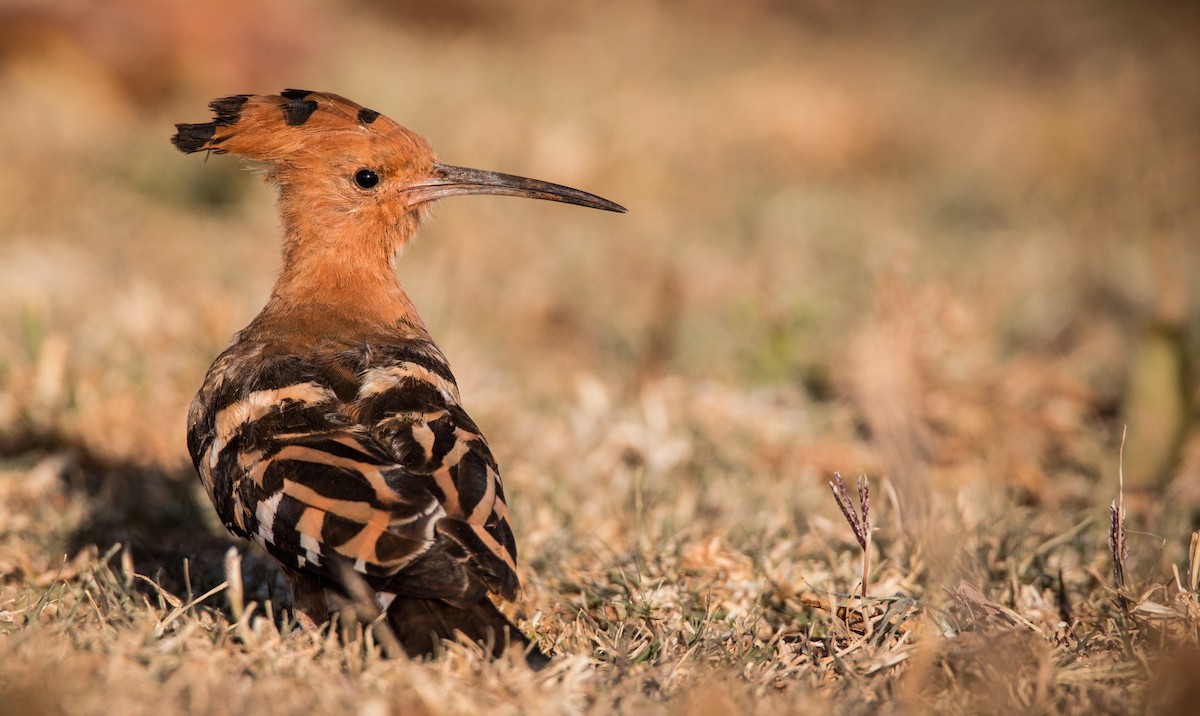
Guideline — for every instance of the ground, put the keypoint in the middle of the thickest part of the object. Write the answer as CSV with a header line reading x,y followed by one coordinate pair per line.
x,y
943,247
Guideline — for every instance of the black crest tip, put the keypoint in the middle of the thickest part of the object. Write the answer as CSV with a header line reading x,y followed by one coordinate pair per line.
x,y
366,116
228,109
295,93
297,111
191,138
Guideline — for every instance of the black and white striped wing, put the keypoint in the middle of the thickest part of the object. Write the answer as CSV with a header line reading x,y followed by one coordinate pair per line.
x,y
293,466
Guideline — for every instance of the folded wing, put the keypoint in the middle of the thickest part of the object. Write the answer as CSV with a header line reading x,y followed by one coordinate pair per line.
x,y
384,472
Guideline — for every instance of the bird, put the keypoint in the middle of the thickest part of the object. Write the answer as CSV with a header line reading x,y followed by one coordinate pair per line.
x,y
330,431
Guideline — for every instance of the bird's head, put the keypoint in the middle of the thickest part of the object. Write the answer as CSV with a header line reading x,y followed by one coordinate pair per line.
x,y
336,160
352,187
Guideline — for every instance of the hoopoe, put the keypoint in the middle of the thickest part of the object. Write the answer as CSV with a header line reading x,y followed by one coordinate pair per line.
x,y
330,431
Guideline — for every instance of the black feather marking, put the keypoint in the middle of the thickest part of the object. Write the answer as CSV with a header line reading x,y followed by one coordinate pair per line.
x,y
471,478
491,569
288,513
339,530
286,417
295,93
394,355
228,109
499,484
334,483
409,395
191,138
275,474
421,624
503,534
461,419
402,445
391,547
298,111
366,116
223,488
279,372
326,444
443,441
438,574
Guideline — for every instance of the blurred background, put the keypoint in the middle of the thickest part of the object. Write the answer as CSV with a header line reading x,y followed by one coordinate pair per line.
x,y
950,245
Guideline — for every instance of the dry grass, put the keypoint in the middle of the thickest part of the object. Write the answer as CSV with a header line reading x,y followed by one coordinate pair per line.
x,y
948,248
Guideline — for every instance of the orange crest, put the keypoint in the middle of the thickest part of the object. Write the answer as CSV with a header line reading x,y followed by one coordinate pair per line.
x,y
297,125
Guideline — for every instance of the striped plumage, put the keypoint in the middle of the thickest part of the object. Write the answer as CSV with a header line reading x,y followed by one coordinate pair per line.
x,y
330,431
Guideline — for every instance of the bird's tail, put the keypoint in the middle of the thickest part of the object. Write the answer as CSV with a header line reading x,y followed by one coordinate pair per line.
x,y
421,624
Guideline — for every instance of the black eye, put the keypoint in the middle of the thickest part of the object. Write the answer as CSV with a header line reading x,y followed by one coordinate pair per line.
x,y
366,178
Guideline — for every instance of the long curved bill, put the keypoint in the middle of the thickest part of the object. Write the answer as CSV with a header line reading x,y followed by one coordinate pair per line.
x,y
447,180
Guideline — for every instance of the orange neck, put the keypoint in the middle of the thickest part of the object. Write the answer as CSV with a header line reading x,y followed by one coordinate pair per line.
x,y
338,281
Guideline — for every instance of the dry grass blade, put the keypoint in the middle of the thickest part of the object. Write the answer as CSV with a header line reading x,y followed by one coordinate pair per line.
x,y
362,606
182,609
1118,549
235,595
838,487
1194,563
861,526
